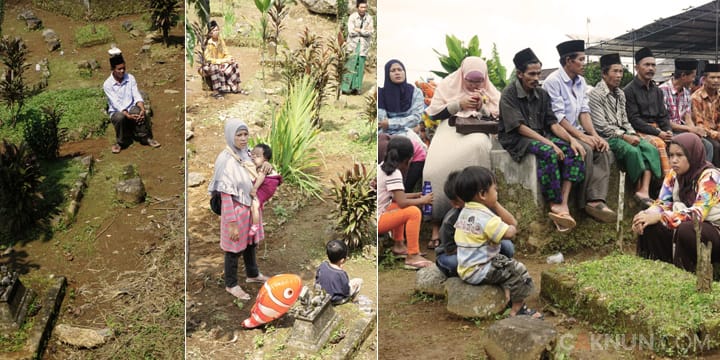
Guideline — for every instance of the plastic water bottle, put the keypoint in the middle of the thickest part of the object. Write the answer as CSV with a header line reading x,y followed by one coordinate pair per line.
x,y
426,189
555,259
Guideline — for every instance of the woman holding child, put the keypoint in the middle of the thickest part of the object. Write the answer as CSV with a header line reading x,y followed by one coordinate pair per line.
x,y
398,211
232,180
466,92
689,190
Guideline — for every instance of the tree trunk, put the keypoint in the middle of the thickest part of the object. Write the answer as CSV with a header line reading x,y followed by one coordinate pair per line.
x,y
704,268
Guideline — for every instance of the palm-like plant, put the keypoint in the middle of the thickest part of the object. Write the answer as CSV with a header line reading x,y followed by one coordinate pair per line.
x,y
355,200
278,13
263,6
313,59
13,89
337,46
292,137
164,15
20,180
456,53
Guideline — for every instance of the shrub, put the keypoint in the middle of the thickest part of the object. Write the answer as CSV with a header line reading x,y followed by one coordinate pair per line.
x,y
164,15
42,132
355,209
83,112
292,137
20,196
13,90
93,34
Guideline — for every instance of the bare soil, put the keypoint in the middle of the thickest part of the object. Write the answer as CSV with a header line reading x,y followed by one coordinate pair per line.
x,y
124,265
297,227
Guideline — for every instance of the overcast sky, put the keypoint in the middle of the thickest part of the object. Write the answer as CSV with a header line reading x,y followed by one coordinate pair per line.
x,y
410,30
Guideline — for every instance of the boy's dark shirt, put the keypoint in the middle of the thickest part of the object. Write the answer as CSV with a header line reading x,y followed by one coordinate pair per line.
x,y
447,233
334,281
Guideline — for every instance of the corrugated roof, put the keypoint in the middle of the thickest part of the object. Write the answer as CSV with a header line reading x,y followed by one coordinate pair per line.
x,y
692,33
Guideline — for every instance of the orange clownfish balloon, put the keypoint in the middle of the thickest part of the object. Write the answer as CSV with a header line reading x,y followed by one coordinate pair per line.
x,y
275,298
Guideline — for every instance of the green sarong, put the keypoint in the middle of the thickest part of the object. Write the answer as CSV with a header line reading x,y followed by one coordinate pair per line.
x,y
636,159
355,70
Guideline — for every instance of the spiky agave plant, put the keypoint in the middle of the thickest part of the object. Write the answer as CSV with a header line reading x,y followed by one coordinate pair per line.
x,y
20,180
355,205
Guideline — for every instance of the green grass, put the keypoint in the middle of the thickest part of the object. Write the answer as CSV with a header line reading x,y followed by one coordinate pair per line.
x,y
660,294
335,138
84,113
93,34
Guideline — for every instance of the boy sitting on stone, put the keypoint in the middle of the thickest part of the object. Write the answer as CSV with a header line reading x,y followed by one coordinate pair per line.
x,y
446,252
480,227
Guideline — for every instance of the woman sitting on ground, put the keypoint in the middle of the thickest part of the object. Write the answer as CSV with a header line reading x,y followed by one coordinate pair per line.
x,y
689,190
397,211
220,66
465,92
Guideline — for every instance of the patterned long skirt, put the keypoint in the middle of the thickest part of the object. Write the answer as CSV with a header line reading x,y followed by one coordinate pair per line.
x,y
551,171
225,77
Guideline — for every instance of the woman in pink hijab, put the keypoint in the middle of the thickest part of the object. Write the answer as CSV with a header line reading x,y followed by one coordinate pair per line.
x,y
466,92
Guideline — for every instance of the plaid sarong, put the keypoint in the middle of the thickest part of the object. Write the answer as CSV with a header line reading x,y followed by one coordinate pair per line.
x,y
224,77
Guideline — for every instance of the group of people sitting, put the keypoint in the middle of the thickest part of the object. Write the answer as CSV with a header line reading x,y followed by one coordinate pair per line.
x,y
662,132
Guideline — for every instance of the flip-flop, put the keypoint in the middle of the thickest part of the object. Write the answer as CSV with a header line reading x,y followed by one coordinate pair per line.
x,y
601,212
560,228
116,149
524,310
417,265
238,292
401,255
258,279
433,243
562,220
643,201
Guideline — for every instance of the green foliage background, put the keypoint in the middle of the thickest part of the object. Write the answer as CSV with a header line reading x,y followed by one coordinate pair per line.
x,y
457,52
593,75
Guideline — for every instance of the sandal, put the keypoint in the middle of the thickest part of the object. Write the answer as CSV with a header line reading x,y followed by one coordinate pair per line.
x,y
258,279
217,95
601,212
643,201
433,243
524,310
238,292
563,221
116,149
417,265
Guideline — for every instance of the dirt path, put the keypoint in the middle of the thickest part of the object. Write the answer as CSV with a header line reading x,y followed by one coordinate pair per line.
x,y
124,265
298,227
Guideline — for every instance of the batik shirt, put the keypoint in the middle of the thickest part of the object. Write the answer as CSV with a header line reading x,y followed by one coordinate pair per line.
x,y
706,205
363,37
478,232
677,104
705,111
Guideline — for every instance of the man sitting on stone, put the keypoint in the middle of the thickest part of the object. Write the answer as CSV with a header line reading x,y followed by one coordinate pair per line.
x,y
676,92
645,106
607,108
126,106
568,92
